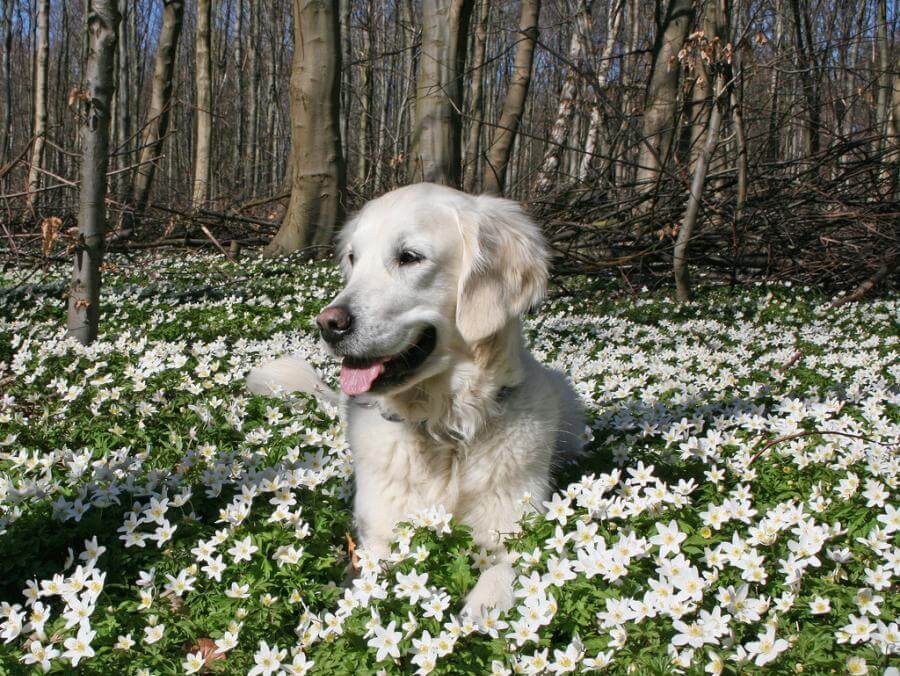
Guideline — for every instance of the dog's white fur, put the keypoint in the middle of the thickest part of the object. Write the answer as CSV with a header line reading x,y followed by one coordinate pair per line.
x,y
479,425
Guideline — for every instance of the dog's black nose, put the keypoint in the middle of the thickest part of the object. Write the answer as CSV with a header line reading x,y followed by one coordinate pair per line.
x,y
334,322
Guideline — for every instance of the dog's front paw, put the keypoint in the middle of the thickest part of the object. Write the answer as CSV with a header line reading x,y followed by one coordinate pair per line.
x,y
494,589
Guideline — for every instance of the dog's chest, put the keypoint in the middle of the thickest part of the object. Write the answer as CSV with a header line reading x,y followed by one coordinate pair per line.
x,y
411,470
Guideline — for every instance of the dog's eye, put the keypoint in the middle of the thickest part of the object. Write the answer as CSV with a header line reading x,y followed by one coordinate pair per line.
x,y
407,257
350,258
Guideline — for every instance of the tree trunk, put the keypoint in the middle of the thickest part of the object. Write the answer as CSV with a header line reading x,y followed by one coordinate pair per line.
x,y
514,104
616,9
347,89
253,95
679,256
773,145
84,293
317,190
807,64
662,93
566,109
386,93
476,109
42,48
6,144
160,102
366,87
123,93
238,152
436,134
271,105
883,111
203,111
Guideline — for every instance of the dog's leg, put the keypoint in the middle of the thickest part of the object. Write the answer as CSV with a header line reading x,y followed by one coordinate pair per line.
x,y
494,588
289,374
491,520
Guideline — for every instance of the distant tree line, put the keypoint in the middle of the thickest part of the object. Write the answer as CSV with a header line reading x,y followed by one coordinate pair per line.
x,y
753,137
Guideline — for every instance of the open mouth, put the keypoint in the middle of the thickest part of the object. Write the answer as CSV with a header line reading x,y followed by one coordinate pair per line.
x,y
363,374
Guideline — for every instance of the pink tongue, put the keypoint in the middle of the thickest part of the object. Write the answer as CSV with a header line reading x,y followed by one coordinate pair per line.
x,y
358,379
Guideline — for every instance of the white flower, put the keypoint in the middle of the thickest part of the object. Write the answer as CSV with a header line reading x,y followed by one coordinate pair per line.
x,y
820,606
193,662
267,661
558,508
242,550
412,586
228,641
859,629
41,654
766,648
299,666
124,642
386,642
79,646
669,538
856,666
153,633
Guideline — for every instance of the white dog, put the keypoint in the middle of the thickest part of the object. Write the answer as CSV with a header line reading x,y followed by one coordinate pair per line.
x,y
444,403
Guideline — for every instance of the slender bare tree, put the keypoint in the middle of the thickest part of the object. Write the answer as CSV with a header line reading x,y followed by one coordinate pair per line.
x,y
613,21
318,178
84,293
160,102
6,69
39,131
808,67
662,92
476,107
204,103
566,108
124,65
685,232
436,133
514,104
366,86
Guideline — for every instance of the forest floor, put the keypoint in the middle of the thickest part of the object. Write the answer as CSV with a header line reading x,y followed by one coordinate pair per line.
x,y
737,509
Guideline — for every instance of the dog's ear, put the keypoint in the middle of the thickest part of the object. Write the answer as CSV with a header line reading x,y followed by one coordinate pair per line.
x,y
504,266
343,243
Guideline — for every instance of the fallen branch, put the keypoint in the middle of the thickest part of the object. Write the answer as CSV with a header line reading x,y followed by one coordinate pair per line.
x,y
886,266
798,435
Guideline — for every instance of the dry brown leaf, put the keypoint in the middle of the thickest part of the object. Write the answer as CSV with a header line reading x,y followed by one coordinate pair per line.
x,y
351,550
49,232
207,649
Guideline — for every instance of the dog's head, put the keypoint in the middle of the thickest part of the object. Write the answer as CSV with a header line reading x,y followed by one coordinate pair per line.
x,y
429,271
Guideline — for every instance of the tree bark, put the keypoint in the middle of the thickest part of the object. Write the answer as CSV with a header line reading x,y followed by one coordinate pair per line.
x,y
514,104
566,109
436,134
39,131
773,137
662,93
614,20
123,93
203,111
347,89
238,152
883,112
252,94
366,89
160,102
476,109
318,181
84,293
807,64
6,55
679,256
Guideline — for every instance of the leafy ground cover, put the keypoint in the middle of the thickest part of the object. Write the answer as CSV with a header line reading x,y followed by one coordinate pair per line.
x,y
736,511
